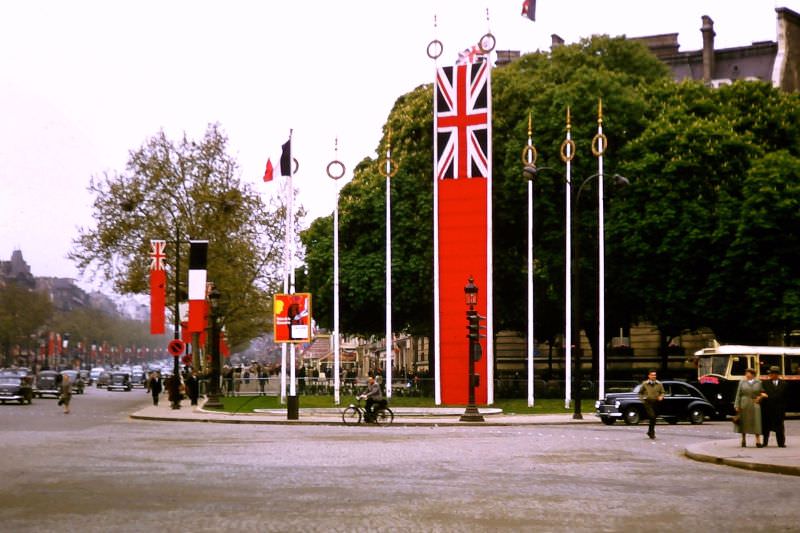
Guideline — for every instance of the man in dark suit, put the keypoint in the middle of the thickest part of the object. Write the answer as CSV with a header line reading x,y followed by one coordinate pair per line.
x,y
773,407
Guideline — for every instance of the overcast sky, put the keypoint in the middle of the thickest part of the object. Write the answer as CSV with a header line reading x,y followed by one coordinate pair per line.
x,y
82,83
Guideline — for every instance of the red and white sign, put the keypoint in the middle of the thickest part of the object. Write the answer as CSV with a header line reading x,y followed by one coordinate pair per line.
x,y
292,317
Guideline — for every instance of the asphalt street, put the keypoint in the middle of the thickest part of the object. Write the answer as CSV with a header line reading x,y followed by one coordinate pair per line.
x,y
97,470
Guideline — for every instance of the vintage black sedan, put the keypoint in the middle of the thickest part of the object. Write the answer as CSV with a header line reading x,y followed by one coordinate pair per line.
x,y
48,383
15,388
119,381
681,402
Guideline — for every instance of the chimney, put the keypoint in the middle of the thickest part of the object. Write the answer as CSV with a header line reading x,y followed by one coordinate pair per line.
x,y
708,48
555,41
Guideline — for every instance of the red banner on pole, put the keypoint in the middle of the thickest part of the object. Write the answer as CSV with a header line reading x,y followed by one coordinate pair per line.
x,y
463,245
158,287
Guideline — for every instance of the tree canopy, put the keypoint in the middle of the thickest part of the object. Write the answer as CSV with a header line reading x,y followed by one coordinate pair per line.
x,y
180,191
703,236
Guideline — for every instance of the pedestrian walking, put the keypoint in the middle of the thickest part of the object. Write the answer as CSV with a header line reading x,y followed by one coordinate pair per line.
x,y
192,387
651,393
65,395
173,384
154,386
748,408
773,407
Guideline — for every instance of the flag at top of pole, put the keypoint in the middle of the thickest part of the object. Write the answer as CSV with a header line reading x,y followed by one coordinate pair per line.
x,y
529,9
286,158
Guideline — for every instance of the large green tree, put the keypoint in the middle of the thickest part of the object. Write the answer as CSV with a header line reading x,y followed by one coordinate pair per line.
x,y
685,236
543,84
180,191
23,313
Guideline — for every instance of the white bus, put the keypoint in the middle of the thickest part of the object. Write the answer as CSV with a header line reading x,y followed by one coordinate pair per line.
x,y
721,367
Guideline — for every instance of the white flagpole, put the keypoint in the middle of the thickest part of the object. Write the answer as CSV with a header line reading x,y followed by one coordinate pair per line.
x,y
567,154
437,330
389,268
529,152
290,217
489,254
601,329
336,345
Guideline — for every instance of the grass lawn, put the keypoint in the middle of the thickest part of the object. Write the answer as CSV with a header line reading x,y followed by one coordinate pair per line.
x,y
246,404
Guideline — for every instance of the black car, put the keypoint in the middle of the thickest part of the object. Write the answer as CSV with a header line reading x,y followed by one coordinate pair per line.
x,y
681,402
15,388
48,383
119,381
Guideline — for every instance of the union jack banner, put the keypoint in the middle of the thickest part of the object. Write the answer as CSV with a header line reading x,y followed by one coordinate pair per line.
x,y
462,121
157,254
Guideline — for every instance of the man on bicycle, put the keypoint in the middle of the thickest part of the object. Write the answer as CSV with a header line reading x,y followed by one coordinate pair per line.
x,y
372,395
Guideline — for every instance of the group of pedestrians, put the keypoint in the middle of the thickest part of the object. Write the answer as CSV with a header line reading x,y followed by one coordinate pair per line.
x,y
176,387
761,408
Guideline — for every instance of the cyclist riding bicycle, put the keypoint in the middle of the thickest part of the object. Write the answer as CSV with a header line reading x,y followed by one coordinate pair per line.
x,y
373,396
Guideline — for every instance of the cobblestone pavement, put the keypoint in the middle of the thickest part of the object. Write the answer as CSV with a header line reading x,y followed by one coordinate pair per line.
x,y
97,470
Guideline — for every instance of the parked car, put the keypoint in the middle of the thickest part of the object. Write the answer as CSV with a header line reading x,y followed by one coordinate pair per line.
x,y
103,379
15,387
95,373
119,381
75,379
681,402
48,383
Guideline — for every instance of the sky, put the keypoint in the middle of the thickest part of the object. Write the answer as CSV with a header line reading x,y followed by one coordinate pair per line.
x,y
83,83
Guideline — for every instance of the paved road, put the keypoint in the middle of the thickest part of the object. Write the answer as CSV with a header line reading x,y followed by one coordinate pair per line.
x,y
97,470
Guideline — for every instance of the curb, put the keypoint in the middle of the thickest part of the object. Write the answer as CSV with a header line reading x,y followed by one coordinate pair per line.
x,y
738,463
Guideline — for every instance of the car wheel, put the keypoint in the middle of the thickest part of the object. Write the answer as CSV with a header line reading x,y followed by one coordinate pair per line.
x,y
632,416
607,420
697,416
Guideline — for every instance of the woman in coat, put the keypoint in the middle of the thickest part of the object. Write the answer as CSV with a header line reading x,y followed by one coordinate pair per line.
x,y
66,393
748,397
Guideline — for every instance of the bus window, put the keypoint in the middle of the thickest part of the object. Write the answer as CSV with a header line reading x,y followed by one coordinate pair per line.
x,y
766,361
716,364
739,365
792,365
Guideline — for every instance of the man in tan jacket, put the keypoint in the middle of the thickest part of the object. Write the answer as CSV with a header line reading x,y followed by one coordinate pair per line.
x,y
651,393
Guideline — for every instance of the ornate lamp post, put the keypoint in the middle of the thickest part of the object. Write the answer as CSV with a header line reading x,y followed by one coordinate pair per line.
x,y
471,413
619,180
213,377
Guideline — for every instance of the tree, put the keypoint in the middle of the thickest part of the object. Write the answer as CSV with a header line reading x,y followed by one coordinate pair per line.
x,y
187,190
574,75
683,230
23,312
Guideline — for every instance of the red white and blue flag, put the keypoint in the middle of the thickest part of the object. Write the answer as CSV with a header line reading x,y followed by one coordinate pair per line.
x,y
462,121
158,286
462,226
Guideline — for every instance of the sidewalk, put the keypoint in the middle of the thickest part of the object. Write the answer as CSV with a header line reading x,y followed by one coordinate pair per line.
x,y
729,452
403,416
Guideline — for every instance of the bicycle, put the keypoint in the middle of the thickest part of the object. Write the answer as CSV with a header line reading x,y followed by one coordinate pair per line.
x,y
354,413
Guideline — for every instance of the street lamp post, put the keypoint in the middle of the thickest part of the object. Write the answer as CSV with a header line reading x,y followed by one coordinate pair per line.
x,y
213,383
577,375
471,414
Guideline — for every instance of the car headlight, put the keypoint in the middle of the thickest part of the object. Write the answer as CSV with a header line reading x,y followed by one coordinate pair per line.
x,y
597,404
617,404
719,396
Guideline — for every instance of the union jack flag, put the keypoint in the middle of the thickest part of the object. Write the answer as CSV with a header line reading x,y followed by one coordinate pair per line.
x,y
462,121
157,255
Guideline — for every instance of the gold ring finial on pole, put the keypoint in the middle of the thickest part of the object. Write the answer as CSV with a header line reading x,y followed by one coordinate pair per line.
x,y
389,167
567,155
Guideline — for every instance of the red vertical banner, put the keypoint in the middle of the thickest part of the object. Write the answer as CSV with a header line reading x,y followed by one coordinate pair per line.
x,y
158,287
463,216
